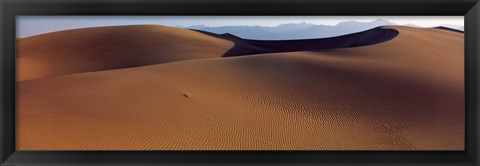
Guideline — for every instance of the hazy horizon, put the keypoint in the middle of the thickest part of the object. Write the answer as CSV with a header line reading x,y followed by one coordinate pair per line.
x,y
34,25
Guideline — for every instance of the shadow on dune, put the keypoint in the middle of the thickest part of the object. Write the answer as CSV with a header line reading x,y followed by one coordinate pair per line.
x,y
249,47
449,29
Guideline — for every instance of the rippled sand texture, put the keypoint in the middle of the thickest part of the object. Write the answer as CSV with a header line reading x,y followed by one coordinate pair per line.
x,y
406,93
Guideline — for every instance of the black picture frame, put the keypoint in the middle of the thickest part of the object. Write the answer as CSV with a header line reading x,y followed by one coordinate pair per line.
x,y
9,9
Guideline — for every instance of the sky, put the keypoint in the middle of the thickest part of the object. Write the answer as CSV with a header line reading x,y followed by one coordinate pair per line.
x,y
34,25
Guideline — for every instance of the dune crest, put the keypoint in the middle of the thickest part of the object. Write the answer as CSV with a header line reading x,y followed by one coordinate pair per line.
x,y
250,47
105,48
116,47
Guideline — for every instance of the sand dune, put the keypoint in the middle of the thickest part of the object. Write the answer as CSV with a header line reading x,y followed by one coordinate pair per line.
x,y
103,48
402,94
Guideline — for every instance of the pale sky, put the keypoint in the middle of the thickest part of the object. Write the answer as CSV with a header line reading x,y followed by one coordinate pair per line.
x,y
34,25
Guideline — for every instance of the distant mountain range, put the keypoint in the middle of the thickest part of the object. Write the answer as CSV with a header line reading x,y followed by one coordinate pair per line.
x,y
300,30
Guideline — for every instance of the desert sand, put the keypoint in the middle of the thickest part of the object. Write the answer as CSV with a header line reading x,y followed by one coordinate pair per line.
x,y
104,48
403,93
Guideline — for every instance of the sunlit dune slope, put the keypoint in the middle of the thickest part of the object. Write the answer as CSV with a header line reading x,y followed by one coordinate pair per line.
x,y
403,94
103,48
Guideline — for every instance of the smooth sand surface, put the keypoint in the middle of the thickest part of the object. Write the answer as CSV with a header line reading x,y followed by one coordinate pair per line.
x,y
103,48
406,93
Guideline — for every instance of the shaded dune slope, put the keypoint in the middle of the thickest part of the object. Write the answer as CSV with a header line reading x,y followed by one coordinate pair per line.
x,y
395,95
450,29
248,47
104,48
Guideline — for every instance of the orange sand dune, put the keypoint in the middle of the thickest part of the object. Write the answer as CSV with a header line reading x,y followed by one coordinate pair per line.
x,y
403,94
103,48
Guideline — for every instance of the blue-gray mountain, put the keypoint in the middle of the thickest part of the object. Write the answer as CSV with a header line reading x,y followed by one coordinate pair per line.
x,y
299,30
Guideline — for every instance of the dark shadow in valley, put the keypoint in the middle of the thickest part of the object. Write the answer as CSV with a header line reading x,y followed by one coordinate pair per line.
x,y
249,47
